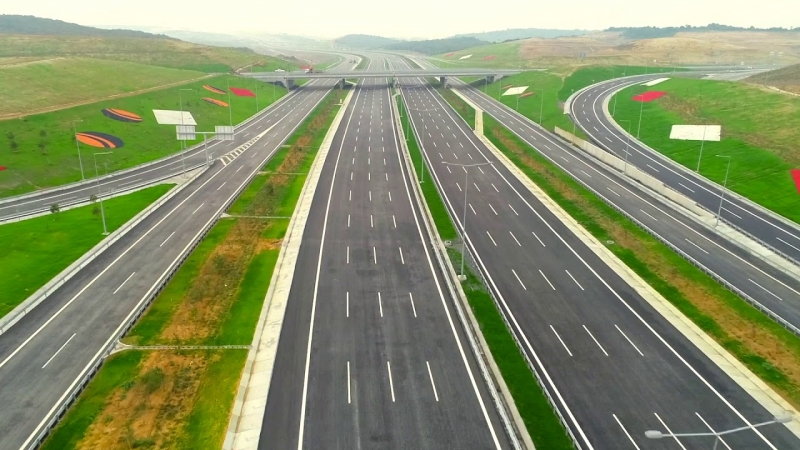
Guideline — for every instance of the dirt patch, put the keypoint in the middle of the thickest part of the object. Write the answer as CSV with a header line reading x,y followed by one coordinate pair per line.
x,y
755,339
149,410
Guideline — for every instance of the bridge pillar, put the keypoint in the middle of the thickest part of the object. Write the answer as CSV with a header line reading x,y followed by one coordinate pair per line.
x,y
288,83
443,82
342,84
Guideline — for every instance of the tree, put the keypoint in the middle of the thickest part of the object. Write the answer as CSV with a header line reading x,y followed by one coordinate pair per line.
x,y
14,146
96,210
43,146
43,133
54,208
92,198
10,136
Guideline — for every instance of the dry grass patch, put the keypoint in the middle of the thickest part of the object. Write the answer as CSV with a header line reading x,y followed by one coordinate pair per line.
x,y
753,337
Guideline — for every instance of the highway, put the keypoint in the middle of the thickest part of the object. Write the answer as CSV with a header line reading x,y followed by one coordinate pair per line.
x,y
586,110
371,353
145,174
613,364
46,354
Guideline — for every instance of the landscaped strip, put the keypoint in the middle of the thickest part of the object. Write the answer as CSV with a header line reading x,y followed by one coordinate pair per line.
x,y
540,419
763,346
762,146
179,397
35,250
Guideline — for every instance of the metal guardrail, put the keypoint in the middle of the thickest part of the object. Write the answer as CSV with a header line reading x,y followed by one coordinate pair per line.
x,y
443,261
93,367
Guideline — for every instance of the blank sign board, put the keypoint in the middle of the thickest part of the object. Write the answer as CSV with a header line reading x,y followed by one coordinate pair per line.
x,y
515,90
169,117
696,132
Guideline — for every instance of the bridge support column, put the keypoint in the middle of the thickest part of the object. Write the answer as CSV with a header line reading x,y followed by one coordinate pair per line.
x,y
342,84
288,83
443,82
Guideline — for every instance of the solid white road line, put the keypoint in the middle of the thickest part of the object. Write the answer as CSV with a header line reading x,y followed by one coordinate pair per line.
x,y
198,208
347,304
767,290
700,248
520,281
595,340
512,208
537,238
629,340
515,238
433,385
668,430
413,308
561,340
380,304
648,215
626,432
493,210
348,382
391,383
59,351
220,186
573,279
375,255
548,281
402,260
123,283
490,237
165,240
712,430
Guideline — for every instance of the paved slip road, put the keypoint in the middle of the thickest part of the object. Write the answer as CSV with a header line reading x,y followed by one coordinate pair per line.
x,y
143,175
49,349
615,367
371,352
586,110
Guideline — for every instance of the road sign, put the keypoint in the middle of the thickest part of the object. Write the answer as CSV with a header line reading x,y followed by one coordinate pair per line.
x,y
186,132
223,133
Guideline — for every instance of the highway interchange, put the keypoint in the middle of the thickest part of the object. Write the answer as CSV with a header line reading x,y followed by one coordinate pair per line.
x,y
371,355
45,354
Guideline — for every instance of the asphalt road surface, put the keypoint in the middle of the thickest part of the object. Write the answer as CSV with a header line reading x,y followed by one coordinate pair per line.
x,y
587,110
46,353
613,364
371,352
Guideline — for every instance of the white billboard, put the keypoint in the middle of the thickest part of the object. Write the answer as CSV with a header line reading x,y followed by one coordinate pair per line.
x,y
515,90
170,117
696,132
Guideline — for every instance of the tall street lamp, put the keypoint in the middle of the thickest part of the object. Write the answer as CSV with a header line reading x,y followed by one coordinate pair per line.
x,y
541,106
421,156
183,143
655,434
230,105
78,145
627,147
641,111
97,181
724,187
466,167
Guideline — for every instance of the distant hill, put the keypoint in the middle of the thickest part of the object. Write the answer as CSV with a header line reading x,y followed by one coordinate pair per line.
x,y
786,78
436,46
15,24
656,32
365,41
513,34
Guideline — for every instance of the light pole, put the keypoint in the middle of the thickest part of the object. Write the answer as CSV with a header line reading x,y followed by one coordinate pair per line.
x,y
183,143
655,434
724,187
641,111
100,197
702,143
541,106
627,147
78,145
464,220
255,82
230,105
421,156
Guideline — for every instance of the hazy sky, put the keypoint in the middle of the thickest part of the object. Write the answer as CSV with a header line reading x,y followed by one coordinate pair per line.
x,y
407,18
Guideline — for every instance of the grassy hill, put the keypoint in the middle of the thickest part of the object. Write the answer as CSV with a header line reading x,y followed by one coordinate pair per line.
x,y
786,78
514,34
434,46
16,24
364,41
29,87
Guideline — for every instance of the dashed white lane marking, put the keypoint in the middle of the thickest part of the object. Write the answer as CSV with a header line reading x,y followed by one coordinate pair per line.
x,y
220,186
573,279
493,210
561,340
512,208
626,432
473,209
668,430
433,385
490,237
476,186
595,340
548,281
698,247
413,308
520,281
537,238
165,240
712,430
648,165
615,193
648,215
765,289
790,245
348,382
59,351
347,304
402,260
629,340
123,283
348,254
380,304
375,255
687,188
495,187
515,238
391,383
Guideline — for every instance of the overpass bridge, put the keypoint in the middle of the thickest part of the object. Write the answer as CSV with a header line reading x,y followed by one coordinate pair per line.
x,y
287,78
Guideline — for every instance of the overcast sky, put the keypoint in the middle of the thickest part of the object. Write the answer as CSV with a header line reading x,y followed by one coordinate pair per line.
x,y
407,18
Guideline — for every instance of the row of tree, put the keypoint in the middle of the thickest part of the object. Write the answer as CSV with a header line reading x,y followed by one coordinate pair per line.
x,y
657,32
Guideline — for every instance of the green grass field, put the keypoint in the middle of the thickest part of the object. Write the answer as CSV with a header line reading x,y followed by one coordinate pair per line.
x,y
587,76
45,154
36,250
151,51
63,82
760,131
506,54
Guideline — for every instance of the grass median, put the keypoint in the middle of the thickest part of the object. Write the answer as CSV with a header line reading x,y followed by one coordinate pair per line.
x,y
762,146
38,249
540,419
180,398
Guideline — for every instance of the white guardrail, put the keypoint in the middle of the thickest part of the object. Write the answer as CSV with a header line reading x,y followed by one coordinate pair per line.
x,y
504,409
58,411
